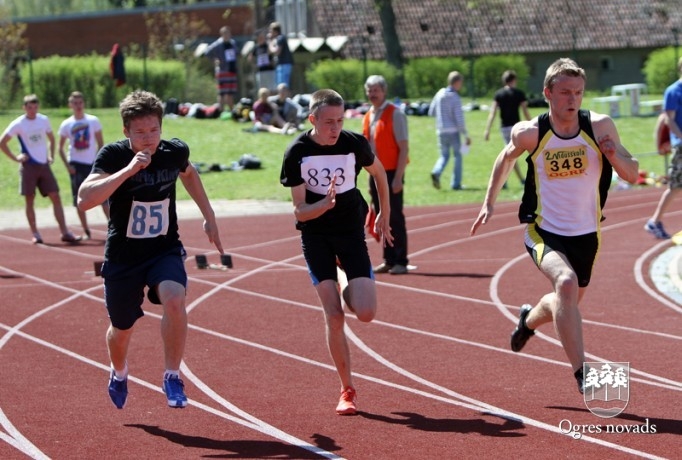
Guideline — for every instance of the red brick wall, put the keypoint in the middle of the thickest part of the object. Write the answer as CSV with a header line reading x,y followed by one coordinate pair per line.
x,y
82,35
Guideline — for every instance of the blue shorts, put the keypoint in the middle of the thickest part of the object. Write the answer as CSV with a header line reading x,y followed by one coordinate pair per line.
x,y
581,251
124,284
321,251
82,171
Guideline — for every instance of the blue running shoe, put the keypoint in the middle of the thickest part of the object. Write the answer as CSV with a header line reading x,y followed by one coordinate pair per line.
x,y
656,229
175,392
118,391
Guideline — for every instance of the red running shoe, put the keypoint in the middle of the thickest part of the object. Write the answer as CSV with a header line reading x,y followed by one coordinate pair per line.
x,y
347,402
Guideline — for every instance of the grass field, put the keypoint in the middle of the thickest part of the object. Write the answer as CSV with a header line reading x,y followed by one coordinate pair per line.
x,y
224,141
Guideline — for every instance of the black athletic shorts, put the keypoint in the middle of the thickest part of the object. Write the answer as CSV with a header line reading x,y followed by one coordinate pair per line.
x,y
124,284
321,251
581,251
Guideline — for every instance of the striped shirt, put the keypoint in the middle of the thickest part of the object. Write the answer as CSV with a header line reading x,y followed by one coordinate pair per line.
x,y
446,106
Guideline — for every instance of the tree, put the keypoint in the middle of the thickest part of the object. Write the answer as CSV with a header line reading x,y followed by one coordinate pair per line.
x,y
172,35
30,8
12,49
394,51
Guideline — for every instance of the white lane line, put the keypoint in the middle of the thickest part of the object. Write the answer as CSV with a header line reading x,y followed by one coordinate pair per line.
x,y
478,405
329,367
265,427
30,449
252,423
488,234
639,277
455,399
673,385
22,443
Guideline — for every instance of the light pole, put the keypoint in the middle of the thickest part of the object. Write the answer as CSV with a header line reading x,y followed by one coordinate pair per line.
x,y
365,41
472,87
365,45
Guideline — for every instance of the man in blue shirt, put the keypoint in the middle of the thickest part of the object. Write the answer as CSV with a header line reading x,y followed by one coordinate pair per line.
x,y
279,47
672,109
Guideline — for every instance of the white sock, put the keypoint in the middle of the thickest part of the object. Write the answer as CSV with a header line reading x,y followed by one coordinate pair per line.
x,y
171,374
120,375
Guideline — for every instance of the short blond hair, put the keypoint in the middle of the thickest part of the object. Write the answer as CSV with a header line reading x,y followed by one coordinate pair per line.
x,y
31,99
563,67
454,77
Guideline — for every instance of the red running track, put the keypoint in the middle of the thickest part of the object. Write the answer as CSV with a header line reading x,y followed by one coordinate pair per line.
x,y
434,373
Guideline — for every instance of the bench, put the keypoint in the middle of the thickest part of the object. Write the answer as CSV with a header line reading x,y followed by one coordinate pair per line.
x,y
608,104
654,107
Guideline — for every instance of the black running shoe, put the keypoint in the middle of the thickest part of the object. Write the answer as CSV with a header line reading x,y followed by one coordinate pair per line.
x,y
522,332
580,379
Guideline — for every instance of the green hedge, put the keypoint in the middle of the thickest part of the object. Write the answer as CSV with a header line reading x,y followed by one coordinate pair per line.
x,y
54,78
660,70
347,77
423,77
488,73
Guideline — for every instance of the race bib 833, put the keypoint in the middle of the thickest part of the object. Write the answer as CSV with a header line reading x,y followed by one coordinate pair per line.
x,y
317,172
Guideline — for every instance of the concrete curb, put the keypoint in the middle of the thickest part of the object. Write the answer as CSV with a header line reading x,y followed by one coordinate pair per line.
x,y
16,218
665,272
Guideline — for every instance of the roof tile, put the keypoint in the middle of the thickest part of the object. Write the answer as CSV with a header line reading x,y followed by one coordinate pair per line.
x,y
463,27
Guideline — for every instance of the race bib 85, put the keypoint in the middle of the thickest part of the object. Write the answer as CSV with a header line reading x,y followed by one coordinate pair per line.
x,y
148,219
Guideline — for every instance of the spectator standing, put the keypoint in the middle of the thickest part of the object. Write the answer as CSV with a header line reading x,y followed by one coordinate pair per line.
x,y
138,176
562,203
284,59
509,99
330,213
672,111
224,53
83,132
385,127
263,60
37,143
117,68
446,106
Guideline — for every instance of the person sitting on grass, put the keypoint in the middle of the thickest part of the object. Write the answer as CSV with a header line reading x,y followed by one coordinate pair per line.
x,y
267,117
